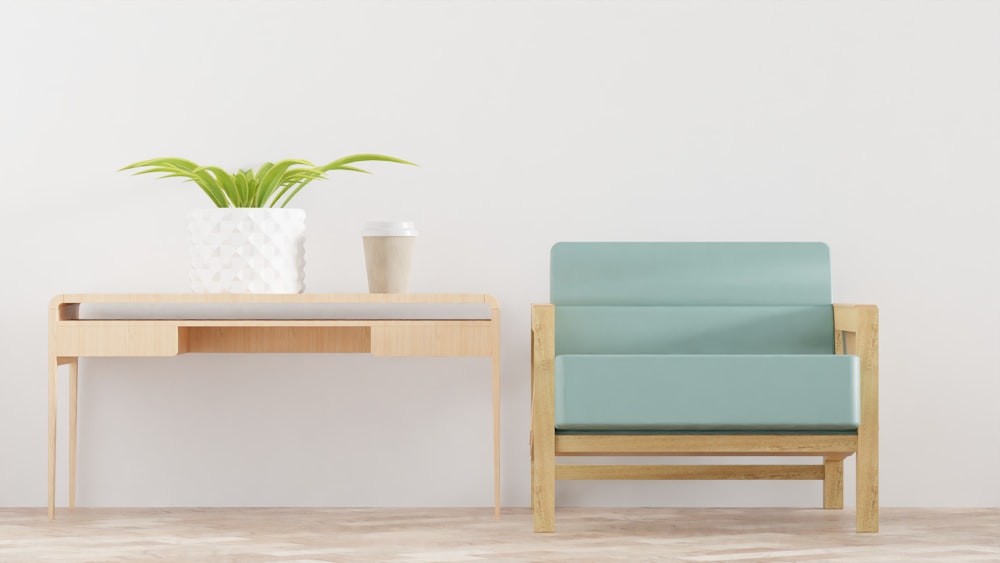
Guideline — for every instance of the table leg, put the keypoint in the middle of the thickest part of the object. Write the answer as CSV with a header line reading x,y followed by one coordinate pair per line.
x,y
73,372
53,373
496,441
495,314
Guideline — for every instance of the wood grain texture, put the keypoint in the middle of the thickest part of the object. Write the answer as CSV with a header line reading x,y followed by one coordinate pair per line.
x,y
833,483
867,480
414,535
845,317
859,324
442,338
707,445
689,472
53,379
543,473
141,338
73,405
495,351
253,339
116,338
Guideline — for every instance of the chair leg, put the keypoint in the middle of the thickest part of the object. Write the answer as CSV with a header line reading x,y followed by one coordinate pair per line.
x,y
543,485
867,489
833,483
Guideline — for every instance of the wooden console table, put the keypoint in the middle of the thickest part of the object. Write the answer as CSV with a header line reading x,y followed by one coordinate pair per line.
x,y
219,330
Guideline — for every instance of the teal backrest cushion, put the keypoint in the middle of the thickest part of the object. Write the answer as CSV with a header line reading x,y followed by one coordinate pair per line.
x,y
692,298
690,273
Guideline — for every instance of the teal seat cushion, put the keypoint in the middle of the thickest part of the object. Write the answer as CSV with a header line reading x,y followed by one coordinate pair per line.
x,y
737,392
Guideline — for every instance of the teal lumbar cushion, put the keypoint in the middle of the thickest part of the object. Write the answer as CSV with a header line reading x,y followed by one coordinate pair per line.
x,y
795,329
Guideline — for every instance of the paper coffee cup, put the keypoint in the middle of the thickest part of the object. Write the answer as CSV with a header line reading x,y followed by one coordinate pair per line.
x,y
388,255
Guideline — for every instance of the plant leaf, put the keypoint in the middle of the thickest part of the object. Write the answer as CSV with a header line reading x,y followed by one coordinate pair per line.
x,y
270,184
178,167
352,169
224,181
211,186
296,178
276,175
362,158
165,161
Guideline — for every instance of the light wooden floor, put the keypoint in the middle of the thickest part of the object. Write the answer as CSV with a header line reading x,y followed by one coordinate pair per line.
x,y
444,535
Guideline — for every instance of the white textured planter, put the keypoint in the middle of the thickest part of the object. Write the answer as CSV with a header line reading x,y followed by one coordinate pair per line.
x,y
247,250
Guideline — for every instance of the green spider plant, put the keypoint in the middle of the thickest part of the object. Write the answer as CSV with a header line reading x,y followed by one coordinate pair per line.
x,y
271,185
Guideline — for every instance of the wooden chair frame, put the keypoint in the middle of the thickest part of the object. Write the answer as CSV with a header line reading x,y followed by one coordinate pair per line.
x,y
855,332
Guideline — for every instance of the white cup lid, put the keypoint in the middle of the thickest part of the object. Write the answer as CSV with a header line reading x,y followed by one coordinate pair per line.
x,y
389,229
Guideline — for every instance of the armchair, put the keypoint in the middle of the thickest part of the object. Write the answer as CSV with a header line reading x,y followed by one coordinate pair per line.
x,y
701,349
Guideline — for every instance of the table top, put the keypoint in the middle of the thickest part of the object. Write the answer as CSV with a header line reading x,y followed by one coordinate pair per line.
x,y
261,307
139,298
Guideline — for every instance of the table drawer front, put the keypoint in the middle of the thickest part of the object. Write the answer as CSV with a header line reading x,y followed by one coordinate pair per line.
x,y
273,339
444,340
120,339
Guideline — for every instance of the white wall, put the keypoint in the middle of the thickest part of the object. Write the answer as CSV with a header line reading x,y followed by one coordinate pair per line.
x,y
873,126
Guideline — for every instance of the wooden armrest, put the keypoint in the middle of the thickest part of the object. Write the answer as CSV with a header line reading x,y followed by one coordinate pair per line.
x,y
853,318
543,342
543,317
856,332
543,350
543,416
